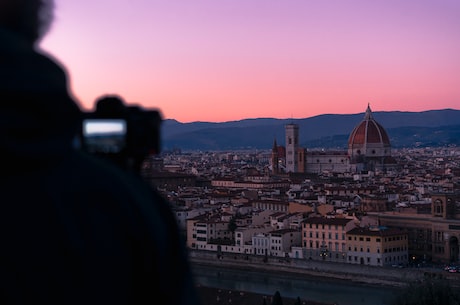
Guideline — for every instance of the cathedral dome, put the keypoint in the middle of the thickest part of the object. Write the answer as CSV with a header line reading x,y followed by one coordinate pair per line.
x,y
369,145
368,132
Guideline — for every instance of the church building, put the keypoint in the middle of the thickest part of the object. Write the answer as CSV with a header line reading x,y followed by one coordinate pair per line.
x,y
369,149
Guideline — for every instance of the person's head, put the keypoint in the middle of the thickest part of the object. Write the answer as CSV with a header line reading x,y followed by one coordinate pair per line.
x,y
29,18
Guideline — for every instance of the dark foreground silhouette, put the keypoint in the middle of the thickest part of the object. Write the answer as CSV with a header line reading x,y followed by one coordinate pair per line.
x,y
75,228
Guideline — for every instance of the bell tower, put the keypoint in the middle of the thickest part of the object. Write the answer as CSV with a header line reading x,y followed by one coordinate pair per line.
x,y
292,145
275,158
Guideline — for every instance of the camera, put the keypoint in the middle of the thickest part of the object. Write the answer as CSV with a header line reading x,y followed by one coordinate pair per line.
x,y
124,134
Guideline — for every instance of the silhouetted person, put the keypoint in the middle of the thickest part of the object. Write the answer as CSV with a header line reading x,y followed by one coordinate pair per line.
x,y
73,228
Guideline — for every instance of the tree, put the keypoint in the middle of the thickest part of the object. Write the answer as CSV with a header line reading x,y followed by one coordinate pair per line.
x,y
232,225
265,257
428,292
297,301
277,300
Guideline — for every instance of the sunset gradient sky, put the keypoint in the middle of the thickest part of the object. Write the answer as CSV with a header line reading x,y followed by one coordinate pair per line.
x,y
225,60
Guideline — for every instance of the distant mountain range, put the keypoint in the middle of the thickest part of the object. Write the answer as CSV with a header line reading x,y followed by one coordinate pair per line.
x,y
432,128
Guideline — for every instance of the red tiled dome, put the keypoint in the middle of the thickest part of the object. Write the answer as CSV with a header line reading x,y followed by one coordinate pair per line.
x,y
368,131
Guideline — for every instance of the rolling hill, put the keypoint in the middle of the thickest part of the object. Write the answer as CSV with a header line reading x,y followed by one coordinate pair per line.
x,y
329,131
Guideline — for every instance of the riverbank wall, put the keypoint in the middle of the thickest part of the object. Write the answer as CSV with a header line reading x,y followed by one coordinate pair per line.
x,y
362,274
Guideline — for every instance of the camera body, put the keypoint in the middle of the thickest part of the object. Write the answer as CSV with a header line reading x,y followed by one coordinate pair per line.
x,y
122,133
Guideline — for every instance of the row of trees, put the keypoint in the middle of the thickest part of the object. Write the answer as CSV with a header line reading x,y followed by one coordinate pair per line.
x,y
430,291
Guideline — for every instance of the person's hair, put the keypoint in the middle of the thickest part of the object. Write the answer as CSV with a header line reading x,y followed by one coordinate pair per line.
x,y
29,18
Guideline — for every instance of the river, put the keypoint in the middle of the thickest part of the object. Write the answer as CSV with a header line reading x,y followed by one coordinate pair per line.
x,y
293,286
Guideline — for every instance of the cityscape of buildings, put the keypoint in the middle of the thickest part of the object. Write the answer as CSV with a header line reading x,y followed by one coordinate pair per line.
x,y
369,205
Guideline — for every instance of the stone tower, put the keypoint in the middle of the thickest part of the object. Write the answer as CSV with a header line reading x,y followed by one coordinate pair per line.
x,y
292,145
275,158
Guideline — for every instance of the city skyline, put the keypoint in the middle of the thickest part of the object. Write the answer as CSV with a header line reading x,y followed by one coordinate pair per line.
x,y
218,61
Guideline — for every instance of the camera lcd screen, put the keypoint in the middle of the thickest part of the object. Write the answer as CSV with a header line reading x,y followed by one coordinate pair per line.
x,y
104,135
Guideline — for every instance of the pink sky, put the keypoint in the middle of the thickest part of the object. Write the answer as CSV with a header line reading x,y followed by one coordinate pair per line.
x,y
225,60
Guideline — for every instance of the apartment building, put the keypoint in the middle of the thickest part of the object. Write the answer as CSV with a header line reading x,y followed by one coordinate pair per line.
x,y
281,241
276,243
203,231
377,246
434,234
244,238
325,238
271,205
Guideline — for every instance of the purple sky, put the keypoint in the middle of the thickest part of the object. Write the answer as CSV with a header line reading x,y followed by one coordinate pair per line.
x,y
222,60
